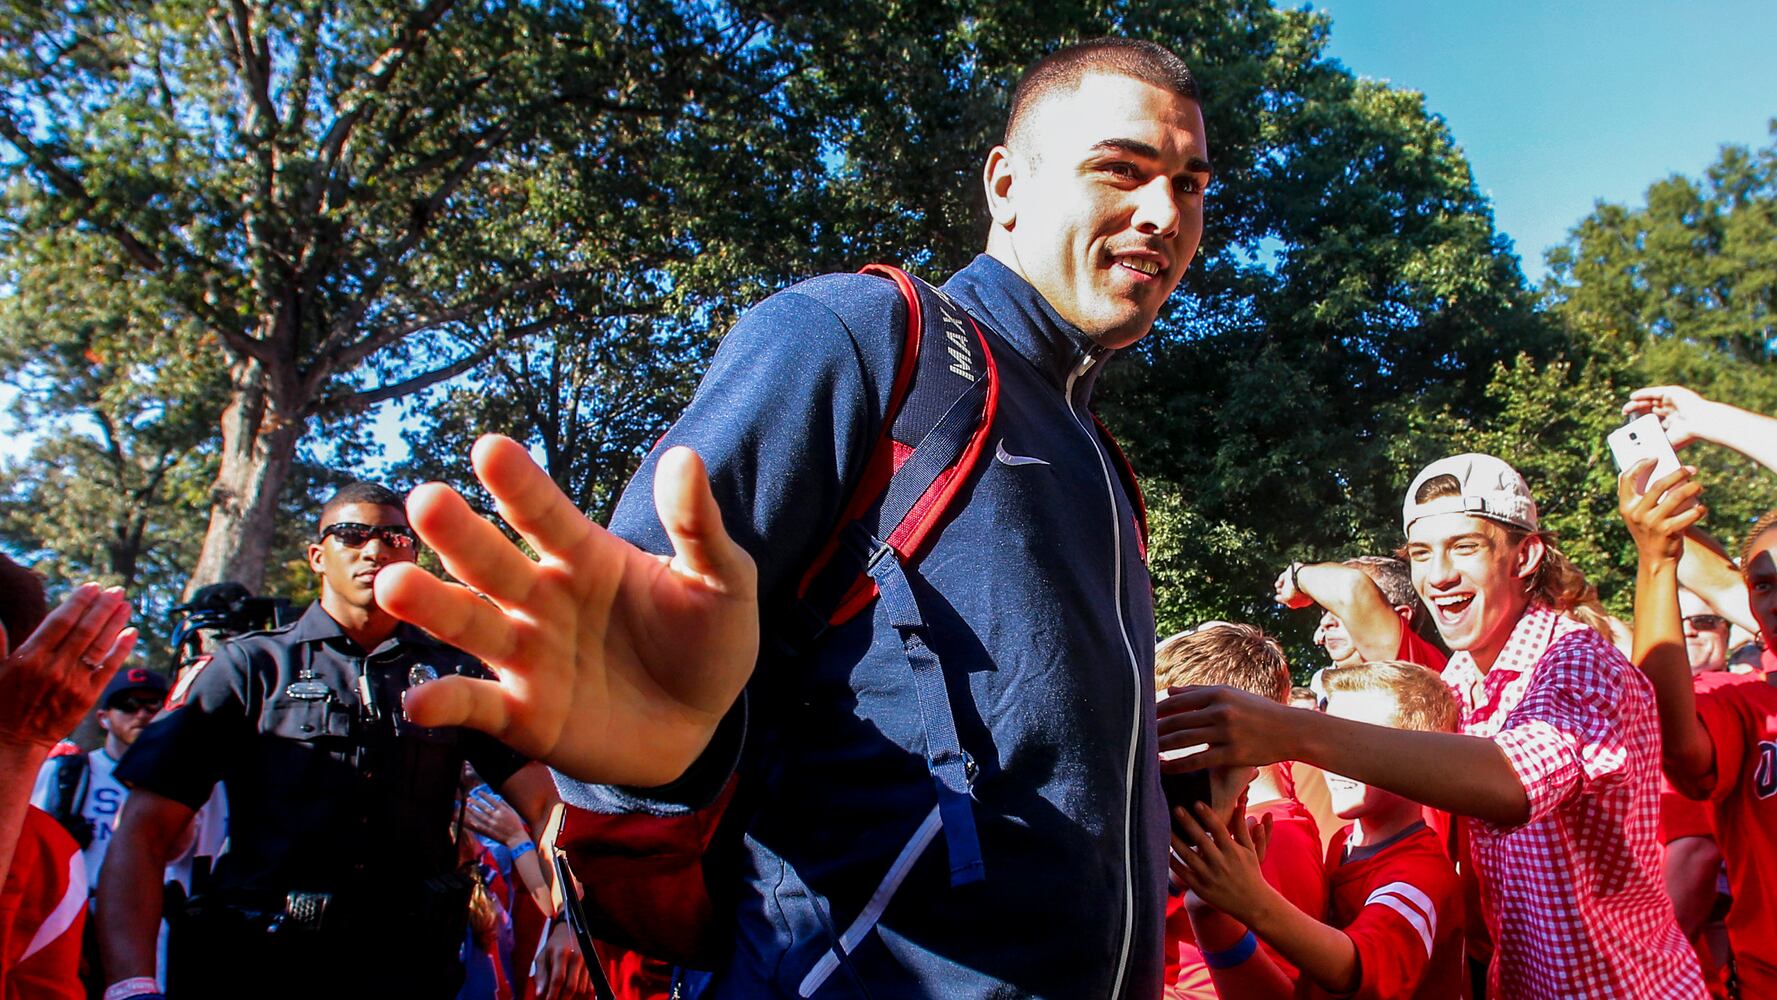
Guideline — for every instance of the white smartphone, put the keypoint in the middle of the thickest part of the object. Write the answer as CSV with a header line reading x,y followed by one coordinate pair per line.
x,y
1639,440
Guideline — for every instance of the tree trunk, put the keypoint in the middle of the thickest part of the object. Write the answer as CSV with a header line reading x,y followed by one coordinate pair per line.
x,y
258,449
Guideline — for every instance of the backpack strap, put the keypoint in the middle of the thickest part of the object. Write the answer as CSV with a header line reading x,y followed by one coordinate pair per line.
x,y
941,406
69,775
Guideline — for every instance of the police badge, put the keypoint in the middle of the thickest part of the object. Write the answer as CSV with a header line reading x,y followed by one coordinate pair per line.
x,y
307,688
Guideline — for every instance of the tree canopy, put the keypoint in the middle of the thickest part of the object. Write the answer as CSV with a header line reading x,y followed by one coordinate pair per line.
x,y
233,231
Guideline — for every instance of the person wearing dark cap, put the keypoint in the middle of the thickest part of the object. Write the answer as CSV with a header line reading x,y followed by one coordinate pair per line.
x,y
340,809
79,789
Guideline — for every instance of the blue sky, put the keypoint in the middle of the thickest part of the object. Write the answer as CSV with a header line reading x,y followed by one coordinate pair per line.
x,y
1561,104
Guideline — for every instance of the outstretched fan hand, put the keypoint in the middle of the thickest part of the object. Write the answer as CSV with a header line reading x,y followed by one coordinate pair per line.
x,y
612,664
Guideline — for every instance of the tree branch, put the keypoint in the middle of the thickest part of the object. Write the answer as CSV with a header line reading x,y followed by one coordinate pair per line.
x,y
255,65
366,398
377,79
420,221
71,188
347,357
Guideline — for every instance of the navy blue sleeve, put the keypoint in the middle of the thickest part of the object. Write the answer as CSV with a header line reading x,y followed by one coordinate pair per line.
x,y
182,753
784,419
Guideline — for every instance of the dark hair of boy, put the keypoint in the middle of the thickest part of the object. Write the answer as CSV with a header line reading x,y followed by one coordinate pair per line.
x,y
360,491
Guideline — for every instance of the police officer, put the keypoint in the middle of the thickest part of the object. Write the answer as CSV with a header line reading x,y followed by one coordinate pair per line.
x,y
340,877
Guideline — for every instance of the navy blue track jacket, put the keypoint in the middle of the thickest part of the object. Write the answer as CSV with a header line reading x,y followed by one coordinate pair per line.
x,y
1039,605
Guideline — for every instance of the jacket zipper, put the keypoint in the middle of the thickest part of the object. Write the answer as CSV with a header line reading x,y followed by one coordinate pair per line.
x,y
1091,358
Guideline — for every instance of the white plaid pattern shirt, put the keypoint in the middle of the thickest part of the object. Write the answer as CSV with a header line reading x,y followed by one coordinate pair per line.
x,y
1574,897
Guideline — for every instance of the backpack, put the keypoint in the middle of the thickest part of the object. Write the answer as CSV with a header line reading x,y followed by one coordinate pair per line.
x,y
647,879
70,772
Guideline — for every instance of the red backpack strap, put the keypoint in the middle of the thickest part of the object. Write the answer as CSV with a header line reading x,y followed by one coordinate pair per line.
x,y
943,400
945,394
1127,472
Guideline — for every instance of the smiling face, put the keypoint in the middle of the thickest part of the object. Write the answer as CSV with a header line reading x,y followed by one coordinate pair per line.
x,y
1101,206
346,571
1473,578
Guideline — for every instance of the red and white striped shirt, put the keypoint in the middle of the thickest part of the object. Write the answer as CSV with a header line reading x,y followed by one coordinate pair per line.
x,y
1574,897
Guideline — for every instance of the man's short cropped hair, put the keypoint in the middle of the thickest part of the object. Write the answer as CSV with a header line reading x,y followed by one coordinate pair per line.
x,y
1423,702
23,605
360,491
1064,68
1240,656
1390,575
1395,579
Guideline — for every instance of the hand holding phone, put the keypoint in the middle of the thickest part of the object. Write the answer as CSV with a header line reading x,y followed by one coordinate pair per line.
x,y
1185,789
1639,440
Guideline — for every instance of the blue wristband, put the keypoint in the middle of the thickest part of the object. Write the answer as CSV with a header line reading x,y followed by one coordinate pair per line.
x,y
523,849
1243,949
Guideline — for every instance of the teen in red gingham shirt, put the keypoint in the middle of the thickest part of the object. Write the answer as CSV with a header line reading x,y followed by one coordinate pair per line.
x,y
1555,766
1574,896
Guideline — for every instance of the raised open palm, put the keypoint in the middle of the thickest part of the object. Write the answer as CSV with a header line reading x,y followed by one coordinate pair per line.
x,y
612,664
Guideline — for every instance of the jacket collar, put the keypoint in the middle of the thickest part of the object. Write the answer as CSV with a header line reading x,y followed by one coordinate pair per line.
x,y
1003,301
316,625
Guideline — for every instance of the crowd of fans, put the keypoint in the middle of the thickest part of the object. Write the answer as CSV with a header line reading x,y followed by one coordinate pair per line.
x,y
1406,902
1287,878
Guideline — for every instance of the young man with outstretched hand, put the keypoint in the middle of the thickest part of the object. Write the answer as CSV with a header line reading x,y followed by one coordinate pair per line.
x,y
1393,924
1555,764
621,655
1720,745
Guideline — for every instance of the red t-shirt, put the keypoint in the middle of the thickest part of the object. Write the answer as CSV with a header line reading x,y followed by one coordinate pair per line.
x,y
1679,816
1742,724
1292,866
42,913
1402,909
1416,650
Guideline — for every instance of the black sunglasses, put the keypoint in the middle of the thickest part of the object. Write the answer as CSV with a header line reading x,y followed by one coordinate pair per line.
x,y
130,706
1706,623
355,536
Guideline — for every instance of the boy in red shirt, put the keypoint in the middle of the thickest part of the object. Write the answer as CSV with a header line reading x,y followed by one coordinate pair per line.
x,y
1394,920
1719,745
1245,657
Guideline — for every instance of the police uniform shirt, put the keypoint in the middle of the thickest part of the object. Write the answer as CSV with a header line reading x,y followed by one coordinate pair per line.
x,y
325,792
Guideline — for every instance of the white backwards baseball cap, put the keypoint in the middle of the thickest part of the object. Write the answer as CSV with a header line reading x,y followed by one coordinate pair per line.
x,y
1490,489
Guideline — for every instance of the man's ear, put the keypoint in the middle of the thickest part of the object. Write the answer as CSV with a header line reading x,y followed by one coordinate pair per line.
x,y
1531,552
314,553
1406,613
997,178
